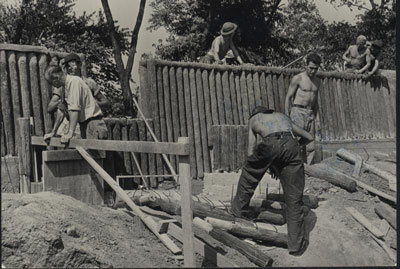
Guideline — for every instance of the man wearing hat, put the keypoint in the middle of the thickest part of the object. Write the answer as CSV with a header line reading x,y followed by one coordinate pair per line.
x,y
375,49
71,65
221,45
357,57
279,151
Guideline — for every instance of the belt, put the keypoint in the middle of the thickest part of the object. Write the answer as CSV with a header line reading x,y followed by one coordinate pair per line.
x,y
306,107
278,135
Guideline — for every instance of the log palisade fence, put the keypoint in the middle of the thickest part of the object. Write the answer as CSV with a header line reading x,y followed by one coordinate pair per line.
x,y
211,105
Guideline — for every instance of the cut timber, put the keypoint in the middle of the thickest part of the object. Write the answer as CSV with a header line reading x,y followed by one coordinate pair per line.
x,y
252,253
365,222
203,249
369,188
329,174
354,158
253,232
386,212
162,225
390,252
113,145
150,223
25,158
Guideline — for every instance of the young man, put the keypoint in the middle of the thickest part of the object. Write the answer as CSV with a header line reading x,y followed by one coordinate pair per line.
x,y
81,105
357,57
375,50
279,151
221,45
71,65
301,101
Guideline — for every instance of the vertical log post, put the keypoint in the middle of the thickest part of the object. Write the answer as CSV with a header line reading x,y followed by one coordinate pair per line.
x,y
186,207
25,160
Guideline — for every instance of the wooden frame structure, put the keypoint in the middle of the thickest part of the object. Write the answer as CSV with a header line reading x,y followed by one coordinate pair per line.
x,y
181,148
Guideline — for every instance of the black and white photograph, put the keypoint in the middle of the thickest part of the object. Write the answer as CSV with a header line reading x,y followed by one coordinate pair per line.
x,y
198,133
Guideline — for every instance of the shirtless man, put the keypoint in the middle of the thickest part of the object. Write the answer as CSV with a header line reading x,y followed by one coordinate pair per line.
x,y
304,90
280,150
357,57
221,45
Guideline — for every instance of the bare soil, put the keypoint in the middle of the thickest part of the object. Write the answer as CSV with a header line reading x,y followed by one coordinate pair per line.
x,y
53,230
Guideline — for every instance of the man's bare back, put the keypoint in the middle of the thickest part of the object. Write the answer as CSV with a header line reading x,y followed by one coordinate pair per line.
x,y
265,124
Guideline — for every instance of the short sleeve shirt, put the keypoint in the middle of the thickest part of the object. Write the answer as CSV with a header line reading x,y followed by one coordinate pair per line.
x,y
80,98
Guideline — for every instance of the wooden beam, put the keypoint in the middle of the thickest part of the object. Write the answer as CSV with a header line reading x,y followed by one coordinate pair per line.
x,y
201,248
148,221
25,155
113,145
386,212
185,181
365,222
390,252
162,225
24,48
70,154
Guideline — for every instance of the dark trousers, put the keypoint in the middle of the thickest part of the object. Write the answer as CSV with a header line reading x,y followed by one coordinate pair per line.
x,y
284,154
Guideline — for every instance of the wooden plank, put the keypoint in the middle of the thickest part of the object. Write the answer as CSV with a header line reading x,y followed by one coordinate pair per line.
x,y
227,104
357,109
69,155
202,248
146,94
263,90
207,107
390,113
383,116
15,98
342,121
282,93
23,81
364,222
127,157
239,98
25,158
220,98
174,109
322,114
189,119
181,102
6,108
234,144
257,90
45,95
216,130
360,108
35,93
118,156
352,109
163,126
152,161
196,124
168,113
3,149
330,109
244,97
203,122
24,48
213,98
112,145
186,207
225,148
232,89
365,110
270,91
347,109
134,136
148,221
144,162
335,109
371,111
250,91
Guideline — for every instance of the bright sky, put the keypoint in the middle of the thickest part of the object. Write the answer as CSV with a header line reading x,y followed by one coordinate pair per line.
x,y
125,11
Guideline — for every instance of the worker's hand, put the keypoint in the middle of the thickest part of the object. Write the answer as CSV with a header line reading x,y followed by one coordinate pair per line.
x,y
220,62
357,71
47,137
65,138
273,171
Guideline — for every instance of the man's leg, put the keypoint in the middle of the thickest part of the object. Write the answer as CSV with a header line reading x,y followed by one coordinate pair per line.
x,y
310,148
298,116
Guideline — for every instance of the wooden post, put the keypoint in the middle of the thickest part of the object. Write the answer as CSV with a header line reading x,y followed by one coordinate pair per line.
x,y
25,166
186,205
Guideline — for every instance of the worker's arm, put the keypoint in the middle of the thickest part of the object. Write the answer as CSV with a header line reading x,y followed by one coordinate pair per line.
x,y
374,69
305,137
345,55
252,141
102,101
367,65
236,53
215,49
54,102
290,94
73,121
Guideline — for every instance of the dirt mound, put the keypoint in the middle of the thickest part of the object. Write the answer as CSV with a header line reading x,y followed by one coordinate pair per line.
x,y
53,230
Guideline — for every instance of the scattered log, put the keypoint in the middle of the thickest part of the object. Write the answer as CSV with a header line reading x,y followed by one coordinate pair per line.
x,y
252,253
387,213
365,222
354,158
253,232
329,174
308,199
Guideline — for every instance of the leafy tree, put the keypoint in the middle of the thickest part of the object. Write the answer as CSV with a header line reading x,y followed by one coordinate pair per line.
x,y
53,24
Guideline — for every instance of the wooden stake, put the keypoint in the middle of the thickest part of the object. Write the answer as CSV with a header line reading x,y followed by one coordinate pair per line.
x,y
140,170
25,155
365,222
390,252
148,221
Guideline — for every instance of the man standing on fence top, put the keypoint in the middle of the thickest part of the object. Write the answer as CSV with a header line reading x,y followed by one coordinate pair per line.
x,y
82,106
301,101
357,57
279,151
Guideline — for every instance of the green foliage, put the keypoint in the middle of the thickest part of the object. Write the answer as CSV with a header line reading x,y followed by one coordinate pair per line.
x,y
53,24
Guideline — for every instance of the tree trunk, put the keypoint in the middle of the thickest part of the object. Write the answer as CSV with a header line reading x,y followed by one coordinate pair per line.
x,y
127,95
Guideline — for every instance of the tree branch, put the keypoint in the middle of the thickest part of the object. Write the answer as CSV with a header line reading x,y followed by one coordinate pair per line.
x,y
116,46
135,35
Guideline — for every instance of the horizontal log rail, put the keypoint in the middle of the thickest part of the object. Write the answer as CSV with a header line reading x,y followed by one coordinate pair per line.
x,y
37,49
113,145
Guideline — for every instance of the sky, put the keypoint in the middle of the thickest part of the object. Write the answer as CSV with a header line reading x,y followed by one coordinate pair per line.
x,y
125,12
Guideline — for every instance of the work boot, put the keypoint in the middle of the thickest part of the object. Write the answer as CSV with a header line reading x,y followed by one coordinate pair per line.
x,y
303,248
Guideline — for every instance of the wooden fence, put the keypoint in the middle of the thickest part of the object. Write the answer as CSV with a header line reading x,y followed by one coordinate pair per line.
x,y
186,99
